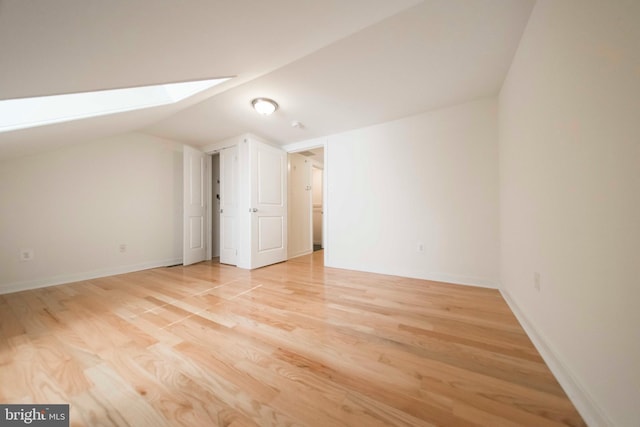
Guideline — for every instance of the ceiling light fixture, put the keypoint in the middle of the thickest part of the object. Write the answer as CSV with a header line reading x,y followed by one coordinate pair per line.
x,y
264,106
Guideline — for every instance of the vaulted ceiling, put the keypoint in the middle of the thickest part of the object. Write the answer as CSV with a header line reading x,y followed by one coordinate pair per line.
x,y
333,65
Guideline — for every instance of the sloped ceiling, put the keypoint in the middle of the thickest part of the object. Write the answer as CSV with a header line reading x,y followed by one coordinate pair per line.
x,y
331,64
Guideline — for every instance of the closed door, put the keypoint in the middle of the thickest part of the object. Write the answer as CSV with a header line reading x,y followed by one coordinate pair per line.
x,y
229,205
268,206
194,206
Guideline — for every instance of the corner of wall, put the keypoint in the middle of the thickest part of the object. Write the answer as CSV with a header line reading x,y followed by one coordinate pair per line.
x,y
586,405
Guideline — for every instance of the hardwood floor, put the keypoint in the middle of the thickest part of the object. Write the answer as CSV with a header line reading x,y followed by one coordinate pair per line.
x,y
291,344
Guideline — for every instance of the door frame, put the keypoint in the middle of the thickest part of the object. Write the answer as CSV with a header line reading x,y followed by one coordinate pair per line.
x,y
297,147
291,148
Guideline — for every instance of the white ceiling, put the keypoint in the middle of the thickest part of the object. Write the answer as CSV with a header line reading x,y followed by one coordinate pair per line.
x,y
334,65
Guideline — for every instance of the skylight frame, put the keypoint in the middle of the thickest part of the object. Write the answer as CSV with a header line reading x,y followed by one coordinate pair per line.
x,y
24,113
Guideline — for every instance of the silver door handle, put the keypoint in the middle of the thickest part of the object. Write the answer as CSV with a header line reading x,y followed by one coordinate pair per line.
x,y
253,210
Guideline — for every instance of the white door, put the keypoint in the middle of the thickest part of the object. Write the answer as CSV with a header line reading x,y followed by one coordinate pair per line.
x,y
229,205
195,207
300,240
268,204
318,209
215,206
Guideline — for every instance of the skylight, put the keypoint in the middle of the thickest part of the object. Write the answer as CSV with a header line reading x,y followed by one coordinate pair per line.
x,y
38,111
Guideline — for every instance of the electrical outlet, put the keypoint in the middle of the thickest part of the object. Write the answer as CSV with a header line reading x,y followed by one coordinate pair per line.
x,y
123,248
536,281
26,255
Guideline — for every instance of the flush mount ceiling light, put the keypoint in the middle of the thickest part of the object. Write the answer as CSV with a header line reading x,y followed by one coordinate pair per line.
x,y
264,106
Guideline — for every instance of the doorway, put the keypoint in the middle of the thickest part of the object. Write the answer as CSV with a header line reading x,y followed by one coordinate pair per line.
x,y
306,201
317,207
251,203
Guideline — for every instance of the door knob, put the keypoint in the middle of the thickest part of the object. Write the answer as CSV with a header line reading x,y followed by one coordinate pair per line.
x,y
253,210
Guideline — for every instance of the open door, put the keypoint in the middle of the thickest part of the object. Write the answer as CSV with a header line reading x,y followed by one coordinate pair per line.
x,y
318,207
268,204
229,205
300,239
194,201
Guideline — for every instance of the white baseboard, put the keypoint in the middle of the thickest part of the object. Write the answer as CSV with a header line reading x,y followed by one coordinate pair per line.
x,y
455,279
460,280
590,411
292,256
77,277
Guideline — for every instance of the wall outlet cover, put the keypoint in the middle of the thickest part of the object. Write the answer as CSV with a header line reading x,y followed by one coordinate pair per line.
x,y
26,254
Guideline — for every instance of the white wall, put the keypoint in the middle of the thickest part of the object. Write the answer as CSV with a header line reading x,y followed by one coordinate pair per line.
x,y
429,179
569,125
74,207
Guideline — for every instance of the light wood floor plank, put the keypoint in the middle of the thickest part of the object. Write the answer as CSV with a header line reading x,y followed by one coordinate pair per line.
x,y
295,343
